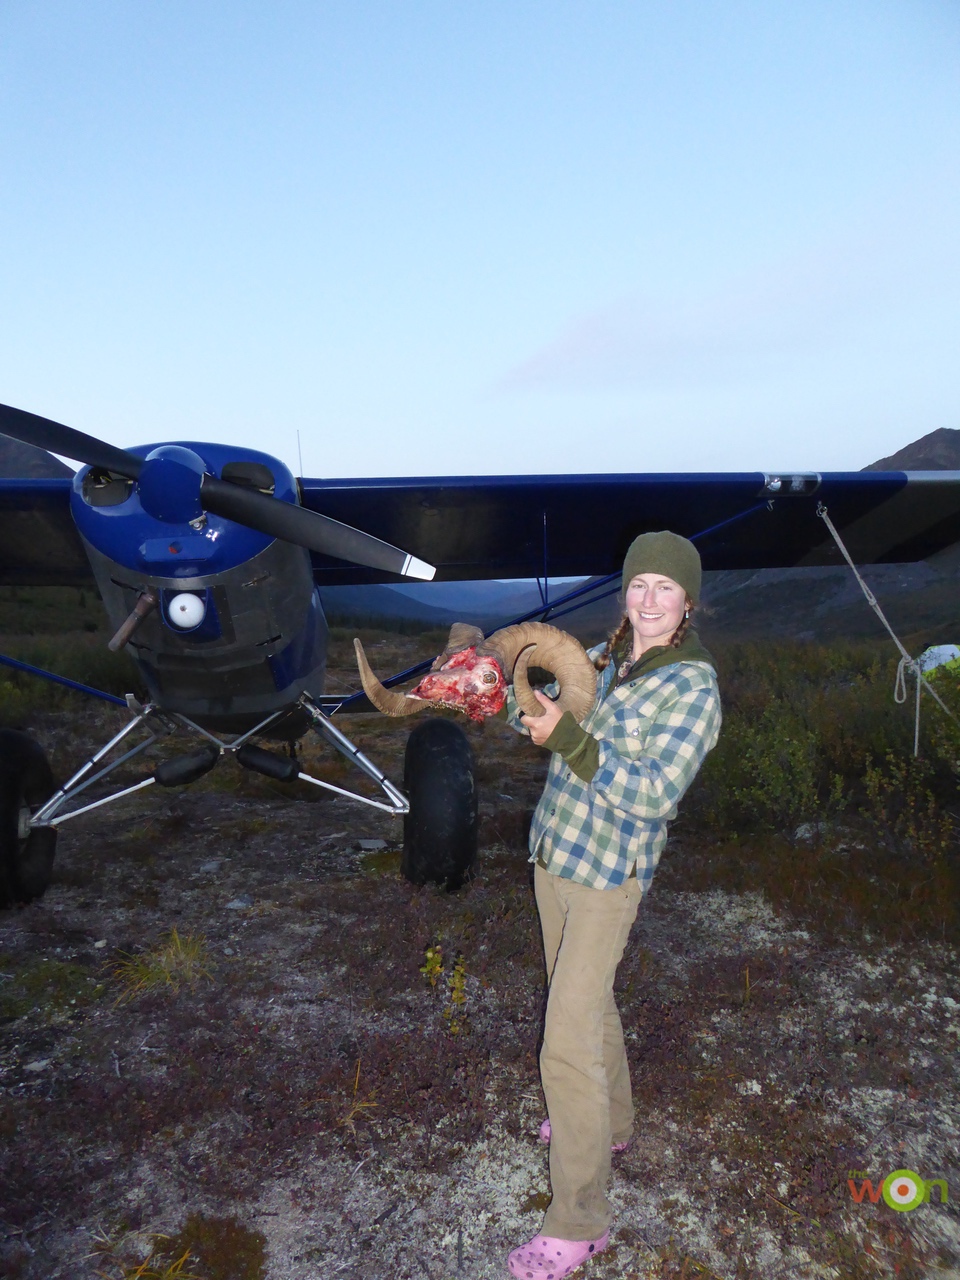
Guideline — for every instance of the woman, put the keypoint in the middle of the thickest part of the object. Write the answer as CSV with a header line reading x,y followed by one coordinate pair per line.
x,y
596,837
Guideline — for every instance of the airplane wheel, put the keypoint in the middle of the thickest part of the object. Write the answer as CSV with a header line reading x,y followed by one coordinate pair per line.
x,y
440,831
26,857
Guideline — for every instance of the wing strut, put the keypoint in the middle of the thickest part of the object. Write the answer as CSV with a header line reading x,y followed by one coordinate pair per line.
x,y
590,593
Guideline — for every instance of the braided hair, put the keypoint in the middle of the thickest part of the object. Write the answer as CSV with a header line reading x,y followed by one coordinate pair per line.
x,y
623,629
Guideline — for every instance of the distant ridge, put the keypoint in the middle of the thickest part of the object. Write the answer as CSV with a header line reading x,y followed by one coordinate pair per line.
x,y
486,604
938,451
27,462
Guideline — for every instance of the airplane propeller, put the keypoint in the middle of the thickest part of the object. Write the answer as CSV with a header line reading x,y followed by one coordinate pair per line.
x,y
174,486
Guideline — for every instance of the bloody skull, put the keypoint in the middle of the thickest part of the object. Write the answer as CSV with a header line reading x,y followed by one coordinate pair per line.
x,y
468,682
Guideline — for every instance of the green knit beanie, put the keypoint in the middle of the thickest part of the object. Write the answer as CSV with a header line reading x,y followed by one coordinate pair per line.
x,y
668,554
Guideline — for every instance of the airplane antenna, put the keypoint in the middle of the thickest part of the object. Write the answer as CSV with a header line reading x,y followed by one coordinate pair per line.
x,y
299,453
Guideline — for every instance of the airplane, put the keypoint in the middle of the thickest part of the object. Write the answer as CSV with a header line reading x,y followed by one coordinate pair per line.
x,y
211,561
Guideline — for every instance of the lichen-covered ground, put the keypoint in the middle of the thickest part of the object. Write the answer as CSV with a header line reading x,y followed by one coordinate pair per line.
x,y
313,1106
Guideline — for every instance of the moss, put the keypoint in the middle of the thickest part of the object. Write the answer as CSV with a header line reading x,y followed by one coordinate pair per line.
x,y
51,986
536,1202
384,863
224,1249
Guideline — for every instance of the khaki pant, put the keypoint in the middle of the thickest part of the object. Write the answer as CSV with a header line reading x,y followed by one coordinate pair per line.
x,y
583,1066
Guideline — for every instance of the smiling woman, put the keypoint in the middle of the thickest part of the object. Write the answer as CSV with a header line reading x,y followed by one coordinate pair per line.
x,y
612,788
659,601
655,607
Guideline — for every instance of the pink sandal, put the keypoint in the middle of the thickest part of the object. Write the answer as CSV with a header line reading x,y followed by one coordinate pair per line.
x,y
615,1147
547,1258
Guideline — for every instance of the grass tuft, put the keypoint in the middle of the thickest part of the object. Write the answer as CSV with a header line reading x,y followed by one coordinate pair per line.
x,y
175,962
357,1107
157,1265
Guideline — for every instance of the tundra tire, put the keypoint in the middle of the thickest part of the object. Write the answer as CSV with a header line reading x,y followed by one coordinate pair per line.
x,y
26,856
440,831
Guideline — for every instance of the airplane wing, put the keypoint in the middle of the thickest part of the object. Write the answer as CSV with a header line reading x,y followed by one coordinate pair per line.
x,y
578,526
39,543
559,526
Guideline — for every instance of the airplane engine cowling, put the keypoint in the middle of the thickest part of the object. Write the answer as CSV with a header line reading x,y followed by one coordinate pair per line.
x,y
260,642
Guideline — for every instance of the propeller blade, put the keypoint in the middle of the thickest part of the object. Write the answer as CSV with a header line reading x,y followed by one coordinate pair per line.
x,y
235,502
30,428
307,529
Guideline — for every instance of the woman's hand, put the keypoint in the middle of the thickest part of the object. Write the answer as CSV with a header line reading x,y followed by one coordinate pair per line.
x,y
541,727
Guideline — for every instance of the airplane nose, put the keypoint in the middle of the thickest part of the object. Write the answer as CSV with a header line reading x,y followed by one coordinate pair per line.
x,y
169,486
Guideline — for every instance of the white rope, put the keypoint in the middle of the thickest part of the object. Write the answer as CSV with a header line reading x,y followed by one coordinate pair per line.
x,y
906,663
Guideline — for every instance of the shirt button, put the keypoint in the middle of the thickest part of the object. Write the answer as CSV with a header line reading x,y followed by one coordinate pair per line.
x,y
553,813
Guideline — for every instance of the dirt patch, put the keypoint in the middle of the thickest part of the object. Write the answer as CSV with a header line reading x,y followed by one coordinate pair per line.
x,y
317,1101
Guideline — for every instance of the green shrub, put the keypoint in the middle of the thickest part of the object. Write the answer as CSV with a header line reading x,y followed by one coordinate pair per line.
x,y
902,808
83,658
944,732
769,771
804,729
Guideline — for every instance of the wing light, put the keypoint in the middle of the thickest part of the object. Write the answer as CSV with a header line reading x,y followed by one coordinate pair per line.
x,y
796,484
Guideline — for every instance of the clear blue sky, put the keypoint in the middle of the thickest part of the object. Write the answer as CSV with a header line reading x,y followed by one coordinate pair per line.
x,y
447,238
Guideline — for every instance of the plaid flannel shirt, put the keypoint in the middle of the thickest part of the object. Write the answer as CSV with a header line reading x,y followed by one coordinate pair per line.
x,y
653,732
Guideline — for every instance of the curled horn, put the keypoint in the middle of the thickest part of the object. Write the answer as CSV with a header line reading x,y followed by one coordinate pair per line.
x,y
388,701
462,636
538,644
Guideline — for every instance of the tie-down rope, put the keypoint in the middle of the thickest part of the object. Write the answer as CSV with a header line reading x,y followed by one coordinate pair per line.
x,y
906,663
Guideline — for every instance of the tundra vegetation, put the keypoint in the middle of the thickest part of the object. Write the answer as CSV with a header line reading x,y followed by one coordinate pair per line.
x,y
237,1045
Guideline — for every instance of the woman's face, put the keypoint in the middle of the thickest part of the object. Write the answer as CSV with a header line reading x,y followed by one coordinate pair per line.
x,y
655,607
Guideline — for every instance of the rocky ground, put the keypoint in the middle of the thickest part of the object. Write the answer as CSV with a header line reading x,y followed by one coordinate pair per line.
x,y
308,1096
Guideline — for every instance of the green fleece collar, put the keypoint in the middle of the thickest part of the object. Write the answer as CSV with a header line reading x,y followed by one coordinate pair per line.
x,y
664,655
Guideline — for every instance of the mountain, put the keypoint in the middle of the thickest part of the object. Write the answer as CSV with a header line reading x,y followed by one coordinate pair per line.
x,y
823,604
26,462
938,451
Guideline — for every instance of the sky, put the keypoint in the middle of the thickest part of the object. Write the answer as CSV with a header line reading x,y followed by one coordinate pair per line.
x,y
522,236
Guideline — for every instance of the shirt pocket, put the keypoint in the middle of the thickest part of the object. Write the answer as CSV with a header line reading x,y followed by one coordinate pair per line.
x,y
625,728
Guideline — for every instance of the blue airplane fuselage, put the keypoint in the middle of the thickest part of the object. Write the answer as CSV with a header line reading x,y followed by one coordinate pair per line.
x,y
238,630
